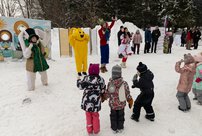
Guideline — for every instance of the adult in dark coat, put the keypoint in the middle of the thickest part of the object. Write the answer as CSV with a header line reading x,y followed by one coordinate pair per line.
x,y
119,34
155,36
145,98
196,38
148,38
127,32
183,38
171,39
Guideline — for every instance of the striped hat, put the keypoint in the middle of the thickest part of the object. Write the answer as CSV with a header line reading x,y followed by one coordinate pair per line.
x,y
116,72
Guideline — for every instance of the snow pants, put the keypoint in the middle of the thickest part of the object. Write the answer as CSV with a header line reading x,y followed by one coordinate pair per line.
x,y
92,122
31,77
184,101
198,95
117,119
144,101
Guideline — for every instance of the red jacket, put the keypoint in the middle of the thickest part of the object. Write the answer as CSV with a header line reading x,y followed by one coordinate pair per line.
x,y
103,40
189,36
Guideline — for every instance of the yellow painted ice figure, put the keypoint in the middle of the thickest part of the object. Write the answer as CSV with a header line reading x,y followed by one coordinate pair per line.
x,y
78,39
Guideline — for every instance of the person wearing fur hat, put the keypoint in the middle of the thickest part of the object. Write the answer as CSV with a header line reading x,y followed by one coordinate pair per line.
x,y
94,87
137,40
197,82
118,93
145,98
33,51
185,82
104,34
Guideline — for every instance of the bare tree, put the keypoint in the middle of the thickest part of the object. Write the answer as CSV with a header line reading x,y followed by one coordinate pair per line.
x,y
30,9
9,8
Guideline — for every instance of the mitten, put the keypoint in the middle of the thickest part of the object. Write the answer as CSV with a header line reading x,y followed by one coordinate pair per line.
x,y
198,80
130,102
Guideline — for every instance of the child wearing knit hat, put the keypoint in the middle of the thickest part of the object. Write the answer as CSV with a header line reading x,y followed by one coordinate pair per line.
x,y
94,87
145,98
118,93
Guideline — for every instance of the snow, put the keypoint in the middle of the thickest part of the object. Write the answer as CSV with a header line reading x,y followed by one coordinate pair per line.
x,y
55,109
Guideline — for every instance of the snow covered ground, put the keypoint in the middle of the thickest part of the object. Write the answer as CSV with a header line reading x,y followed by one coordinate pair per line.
x,y
55,110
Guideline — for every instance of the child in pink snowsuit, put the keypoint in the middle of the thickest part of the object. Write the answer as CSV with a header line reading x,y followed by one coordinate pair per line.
x,y
94,87
124,49
185,82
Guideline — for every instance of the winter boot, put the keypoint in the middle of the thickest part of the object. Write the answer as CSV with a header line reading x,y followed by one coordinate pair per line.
x,y
114,131
120,130
149,118
105,69
102,69
121,56
79,74
184,110
84,73
134,118
123,64
195,98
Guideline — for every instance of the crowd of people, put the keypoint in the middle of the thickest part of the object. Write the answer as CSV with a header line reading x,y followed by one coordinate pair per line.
x,y
190,38
117,90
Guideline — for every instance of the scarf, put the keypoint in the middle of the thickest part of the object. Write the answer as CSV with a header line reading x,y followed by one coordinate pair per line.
x,y
40,63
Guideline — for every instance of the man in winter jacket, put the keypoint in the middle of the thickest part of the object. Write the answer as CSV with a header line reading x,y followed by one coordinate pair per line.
x,y
183,38
104,34
145,98
196,38
155,36
120,33
148,38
